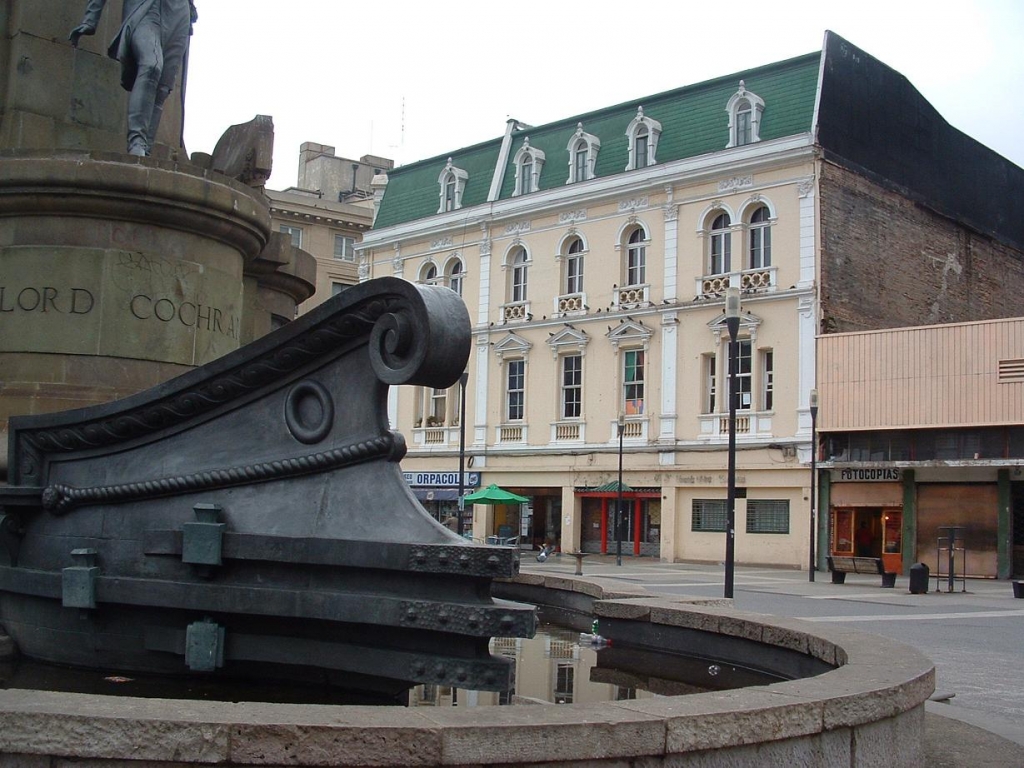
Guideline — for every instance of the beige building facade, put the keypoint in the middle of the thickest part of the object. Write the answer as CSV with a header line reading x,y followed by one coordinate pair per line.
x,y
594,254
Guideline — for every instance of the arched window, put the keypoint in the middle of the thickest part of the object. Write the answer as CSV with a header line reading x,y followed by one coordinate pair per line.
x,y
720,245
449,193
428,275
526,175
520,266
452,182
529,162
636,257
640,147
454,276
643,133
574,266
744,110
760,238
580,161
582,148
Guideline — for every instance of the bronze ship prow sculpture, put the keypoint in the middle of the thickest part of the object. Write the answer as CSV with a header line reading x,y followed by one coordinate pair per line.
x,y
250,516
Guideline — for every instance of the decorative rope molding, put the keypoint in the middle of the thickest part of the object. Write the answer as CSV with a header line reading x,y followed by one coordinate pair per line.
x,y
59,499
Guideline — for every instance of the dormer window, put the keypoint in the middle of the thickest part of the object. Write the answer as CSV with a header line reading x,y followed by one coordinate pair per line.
x,y
529,162
453,183
744,110
582,149
643,134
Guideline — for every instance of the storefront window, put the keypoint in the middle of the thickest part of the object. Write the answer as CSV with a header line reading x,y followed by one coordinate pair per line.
x,y
842,531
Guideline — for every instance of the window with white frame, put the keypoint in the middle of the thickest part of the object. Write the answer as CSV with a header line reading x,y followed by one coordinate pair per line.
x,y
710,382
529,162
636,257
452,182
344,248
579,155
720,244
767,515
519,275
768,379
572,386
759,235
744,110
643,134
337,287
515,390
744,374
295,233
582,150
633,368
574,266
454,275
433,407
709,515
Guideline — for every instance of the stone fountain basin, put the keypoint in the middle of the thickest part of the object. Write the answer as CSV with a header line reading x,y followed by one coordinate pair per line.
x,y
867,711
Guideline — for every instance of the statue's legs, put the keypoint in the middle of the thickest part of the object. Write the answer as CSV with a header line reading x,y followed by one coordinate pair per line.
x,y
158,45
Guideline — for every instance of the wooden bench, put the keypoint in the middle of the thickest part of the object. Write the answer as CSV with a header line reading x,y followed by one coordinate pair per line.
x,y
840,566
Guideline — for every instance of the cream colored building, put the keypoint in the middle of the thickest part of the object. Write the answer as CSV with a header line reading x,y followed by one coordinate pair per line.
x,y
593,254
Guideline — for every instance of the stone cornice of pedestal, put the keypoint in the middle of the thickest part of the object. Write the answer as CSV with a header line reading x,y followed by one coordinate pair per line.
x,y
283,267
118,187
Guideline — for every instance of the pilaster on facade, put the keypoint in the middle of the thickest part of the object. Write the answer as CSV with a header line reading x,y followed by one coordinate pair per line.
x,y
671,277
483,303
669,377
480,384
807,327
808,232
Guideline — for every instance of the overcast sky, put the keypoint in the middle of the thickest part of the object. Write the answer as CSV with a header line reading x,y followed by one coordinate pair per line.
x,y
412,80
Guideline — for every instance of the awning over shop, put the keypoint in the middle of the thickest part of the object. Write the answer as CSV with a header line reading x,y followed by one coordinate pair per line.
x,y
436,494
612,489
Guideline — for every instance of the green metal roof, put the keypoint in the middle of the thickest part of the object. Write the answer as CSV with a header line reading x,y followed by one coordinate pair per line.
x,y
693,121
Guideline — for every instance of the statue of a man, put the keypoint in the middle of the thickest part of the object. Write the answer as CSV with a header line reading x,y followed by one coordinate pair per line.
x,y
150,46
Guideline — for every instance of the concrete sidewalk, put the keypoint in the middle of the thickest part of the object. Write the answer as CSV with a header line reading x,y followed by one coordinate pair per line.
x,y
972,634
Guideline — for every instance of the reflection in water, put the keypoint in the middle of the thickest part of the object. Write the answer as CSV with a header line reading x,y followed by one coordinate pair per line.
x,y
556,667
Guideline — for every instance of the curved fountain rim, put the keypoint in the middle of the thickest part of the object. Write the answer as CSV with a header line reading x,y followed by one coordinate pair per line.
x,y
875,680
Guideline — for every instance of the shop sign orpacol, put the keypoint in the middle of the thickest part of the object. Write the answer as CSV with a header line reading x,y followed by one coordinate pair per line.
x,y
441,479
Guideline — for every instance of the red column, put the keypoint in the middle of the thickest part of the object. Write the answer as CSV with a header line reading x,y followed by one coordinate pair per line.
x,y
636,527
604,526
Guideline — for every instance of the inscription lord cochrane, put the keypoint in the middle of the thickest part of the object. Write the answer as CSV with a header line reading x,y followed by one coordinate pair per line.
x,y
79,301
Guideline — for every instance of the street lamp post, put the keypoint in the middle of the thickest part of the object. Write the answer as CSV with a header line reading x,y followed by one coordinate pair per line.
x,y
812,565
732,322
618,502
460,526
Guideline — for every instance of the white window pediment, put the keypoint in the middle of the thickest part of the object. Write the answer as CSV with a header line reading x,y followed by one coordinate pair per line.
x,y
452,181
588,144
644,132
512,345
568,340
631,333
744,108
528,162
749,323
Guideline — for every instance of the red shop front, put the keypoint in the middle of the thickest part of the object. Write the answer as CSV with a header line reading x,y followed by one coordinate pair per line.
x,y
641,525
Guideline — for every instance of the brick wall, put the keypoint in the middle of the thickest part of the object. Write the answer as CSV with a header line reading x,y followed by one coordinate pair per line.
x,y
887,261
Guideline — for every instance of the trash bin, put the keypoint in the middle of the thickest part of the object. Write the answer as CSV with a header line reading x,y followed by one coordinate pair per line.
x,y
918,579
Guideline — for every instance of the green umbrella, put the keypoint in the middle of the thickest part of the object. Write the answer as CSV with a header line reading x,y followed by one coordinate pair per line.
x,y
492,494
